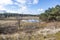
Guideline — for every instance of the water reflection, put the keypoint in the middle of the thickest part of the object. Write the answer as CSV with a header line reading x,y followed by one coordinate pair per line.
x,y
30,20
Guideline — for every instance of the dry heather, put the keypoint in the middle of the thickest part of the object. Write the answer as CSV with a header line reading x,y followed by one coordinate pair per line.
x,y
9,30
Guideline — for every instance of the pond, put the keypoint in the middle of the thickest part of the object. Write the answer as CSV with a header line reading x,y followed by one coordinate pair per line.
x,y
30,20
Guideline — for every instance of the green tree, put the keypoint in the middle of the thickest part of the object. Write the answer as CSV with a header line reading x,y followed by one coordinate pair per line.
x,y
52,14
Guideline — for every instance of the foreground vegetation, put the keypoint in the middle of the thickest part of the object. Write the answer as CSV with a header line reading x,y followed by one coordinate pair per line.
x,y
29,31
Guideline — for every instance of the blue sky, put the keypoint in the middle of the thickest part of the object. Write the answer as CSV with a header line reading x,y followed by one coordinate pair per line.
x,y
27,6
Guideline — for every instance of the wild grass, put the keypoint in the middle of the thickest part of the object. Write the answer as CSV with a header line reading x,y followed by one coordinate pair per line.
x,y
27,31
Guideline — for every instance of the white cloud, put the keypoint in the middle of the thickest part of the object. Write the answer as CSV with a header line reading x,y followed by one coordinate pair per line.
x,y
2,8
22,1
28,1
23,8
40,10
3,2
35,1
12,11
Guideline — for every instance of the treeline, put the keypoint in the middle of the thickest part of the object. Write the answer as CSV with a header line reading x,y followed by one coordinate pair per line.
x,y
14,15
52,14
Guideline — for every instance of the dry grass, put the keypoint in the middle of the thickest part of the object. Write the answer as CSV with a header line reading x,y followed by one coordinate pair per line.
x,y
28,30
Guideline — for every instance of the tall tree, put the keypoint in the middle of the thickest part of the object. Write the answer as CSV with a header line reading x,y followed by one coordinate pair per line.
x,y
51,14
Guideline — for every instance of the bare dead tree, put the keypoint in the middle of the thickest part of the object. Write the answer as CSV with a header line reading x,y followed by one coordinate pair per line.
x,y
19,20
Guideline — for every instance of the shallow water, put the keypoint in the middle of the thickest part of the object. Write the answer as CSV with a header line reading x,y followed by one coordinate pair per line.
x,y
31,20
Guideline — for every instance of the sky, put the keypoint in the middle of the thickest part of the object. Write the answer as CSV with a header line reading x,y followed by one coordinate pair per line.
x,y
27,6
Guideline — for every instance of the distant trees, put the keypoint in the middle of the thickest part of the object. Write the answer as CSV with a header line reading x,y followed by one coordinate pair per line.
x,y
52,14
